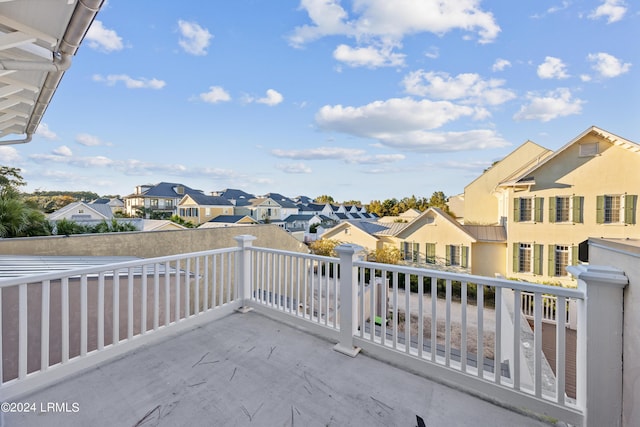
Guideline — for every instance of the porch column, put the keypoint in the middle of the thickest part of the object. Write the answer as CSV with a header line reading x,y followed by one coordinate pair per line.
x,y
599,343
244,270
348,312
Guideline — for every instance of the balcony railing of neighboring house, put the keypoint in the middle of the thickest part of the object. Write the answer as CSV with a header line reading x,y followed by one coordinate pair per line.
x,y
549,309
479,340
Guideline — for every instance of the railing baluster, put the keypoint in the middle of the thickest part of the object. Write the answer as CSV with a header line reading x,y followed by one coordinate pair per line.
x,y
537,343
156,295
215,298
187,289
434,318
279,269
115,308
130,303
373,291
229,271
100,343
420,315
314,266
64,296
498,336
395,309
407,313
167,293
177,291
515,371
447,325
22,331
143,302
480,336
196,303
307,268
205,285
330,272
463,324
83,315
561,341
384,307
44,326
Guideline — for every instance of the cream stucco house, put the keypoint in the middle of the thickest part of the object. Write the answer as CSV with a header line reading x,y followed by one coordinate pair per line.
x,y
527,215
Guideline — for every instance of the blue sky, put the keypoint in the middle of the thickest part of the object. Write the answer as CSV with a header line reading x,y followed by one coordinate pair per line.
x,y
361,99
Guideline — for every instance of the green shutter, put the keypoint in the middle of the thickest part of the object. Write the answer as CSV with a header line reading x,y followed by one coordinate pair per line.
x,y
600,209
578,203
516,209
552,209
537,259
552,261
630,202
538,203
464,255
448,255
516,257
401,250
416,252
574,255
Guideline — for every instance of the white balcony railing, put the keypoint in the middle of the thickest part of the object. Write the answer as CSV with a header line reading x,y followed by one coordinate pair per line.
x,y
467,331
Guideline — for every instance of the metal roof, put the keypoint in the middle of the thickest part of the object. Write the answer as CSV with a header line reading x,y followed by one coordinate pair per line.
x,y
28,265
38,38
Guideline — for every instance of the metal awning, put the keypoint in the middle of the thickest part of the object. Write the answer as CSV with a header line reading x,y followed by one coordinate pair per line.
x,y
38,38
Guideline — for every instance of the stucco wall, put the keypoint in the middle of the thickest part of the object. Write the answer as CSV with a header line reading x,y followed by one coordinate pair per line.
x,y
150,244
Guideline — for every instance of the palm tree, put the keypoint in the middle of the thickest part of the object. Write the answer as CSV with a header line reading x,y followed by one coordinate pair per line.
x,y
19,220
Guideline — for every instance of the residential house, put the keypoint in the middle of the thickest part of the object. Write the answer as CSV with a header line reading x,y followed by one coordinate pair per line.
x,y
116,205
235,196
161,225
269,210
81,211
159,201
587,188
199,208
228,221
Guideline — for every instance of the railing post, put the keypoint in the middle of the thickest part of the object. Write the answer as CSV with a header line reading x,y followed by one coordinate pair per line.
x,y
348,253
599,343
243,280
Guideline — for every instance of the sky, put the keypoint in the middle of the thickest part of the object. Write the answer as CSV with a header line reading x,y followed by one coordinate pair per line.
x,y
360,100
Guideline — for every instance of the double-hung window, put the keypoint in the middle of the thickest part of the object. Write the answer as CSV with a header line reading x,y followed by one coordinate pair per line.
x,y
457,255
616,209
524,258
561,256
566,209
527,209
527,258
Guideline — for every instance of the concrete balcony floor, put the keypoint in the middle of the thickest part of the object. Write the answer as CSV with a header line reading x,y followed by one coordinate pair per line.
x,y
247,369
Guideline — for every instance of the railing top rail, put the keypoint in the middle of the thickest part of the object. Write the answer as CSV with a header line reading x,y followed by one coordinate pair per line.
x,y
298,254
12,281
470,278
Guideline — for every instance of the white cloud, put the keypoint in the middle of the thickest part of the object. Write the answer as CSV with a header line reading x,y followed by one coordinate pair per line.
x,y
554,104
613,10
44,131
385,20
432,53
552,68
294,168
85,162
348,155
63,150
216,94
500,64
273,98
9,154
89,140
194,39
103,39
564,5
129,82
468,87
608,66
407,124
371,57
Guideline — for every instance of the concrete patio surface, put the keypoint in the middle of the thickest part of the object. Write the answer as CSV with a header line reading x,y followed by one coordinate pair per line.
x,y
245,370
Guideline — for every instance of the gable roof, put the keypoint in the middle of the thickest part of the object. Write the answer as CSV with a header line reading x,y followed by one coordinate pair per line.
x,y
440,213
231,219
101,210
235,194
41,39
168,189
523,177
160,224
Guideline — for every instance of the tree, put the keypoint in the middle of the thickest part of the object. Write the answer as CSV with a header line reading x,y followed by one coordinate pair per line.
x,y
19,220
324,247
181,221
385,255
439,200
10,181
325,199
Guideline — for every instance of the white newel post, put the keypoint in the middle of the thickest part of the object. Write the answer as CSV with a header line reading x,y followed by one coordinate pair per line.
x,y
244,270
599,343
348,253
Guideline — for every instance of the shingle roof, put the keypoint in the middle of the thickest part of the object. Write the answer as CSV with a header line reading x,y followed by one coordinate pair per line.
x,y
204,200
298,217
231,219
234,194
167,189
